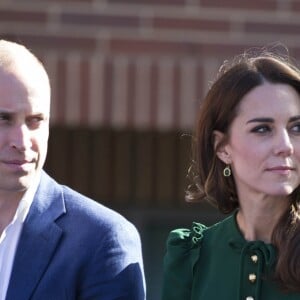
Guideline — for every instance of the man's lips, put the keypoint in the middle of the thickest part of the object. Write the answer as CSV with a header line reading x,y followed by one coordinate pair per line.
x,y
17,162
22,165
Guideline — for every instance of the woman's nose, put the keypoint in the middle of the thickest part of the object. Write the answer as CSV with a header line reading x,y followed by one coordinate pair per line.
x,y
284,145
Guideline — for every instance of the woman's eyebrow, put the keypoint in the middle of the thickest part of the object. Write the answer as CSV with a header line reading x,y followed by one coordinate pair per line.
x,y
261,120
295,118
270,120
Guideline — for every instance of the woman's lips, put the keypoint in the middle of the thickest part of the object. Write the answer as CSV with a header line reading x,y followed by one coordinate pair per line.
x,y
284,170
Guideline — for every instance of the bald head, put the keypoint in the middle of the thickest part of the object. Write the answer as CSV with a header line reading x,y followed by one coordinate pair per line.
x,y
17,59
12,53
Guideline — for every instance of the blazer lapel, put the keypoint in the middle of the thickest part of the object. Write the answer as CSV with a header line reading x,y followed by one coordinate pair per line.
x,y
38,240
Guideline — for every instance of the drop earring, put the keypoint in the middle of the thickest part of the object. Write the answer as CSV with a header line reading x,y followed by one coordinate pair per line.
x,y
227,171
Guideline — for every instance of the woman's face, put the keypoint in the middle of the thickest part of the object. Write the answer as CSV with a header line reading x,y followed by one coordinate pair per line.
x,y
264,141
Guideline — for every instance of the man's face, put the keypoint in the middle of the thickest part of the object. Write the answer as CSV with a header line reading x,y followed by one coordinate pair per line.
x,y
24,128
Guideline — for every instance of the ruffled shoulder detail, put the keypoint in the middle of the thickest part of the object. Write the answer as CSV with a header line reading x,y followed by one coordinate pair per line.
x,y
185,243
186,238
183,250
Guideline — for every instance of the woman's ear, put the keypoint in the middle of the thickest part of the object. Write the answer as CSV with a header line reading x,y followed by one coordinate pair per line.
x,y
220,147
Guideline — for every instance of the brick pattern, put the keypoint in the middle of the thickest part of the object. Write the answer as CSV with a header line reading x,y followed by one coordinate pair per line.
x,y
141,64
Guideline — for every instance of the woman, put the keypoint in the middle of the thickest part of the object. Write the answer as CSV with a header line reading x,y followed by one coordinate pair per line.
x,y
247,163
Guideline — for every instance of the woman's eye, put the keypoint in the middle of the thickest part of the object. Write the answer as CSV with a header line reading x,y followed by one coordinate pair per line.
x,y
261,129
296,128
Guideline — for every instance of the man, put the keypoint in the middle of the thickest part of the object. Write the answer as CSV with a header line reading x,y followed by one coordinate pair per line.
x,y
55,244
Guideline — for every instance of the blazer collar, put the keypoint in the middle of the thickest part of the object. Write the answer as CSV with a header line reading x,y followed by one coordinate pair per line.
x,y
38,240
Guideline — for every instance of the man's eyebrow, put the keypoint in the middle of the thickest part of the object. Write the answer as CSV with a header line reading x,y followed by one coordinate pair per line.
x,y
6,113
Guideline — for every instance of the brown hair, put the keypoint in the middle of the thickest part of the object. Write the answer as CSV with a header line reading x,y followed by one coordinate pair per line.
x,y
217,111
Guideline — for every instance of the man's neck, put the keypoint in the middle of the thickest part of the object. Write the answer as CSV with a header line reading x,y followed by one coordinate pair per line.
x,y
8,209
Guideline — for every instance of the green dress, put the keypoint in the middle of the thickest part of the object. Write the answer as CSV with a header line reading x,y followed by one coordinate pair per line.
x,y
213,263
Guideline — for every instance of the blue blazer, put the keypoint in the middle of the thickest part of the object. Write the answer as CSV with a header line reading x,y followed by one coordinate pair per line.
x,y
71,247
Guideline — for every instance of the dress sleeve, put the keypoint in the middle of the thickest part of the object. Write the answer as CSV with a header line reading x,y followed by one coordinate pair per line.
x,y
183,250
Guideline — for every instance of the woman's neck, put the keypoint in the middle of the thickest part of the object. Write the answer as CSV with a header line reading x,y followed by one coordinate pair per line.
x,y
257,219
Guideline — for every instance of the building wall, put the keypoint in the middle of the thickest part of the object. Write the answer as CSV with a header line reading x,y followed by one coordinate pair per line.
x,y
141,64
127,77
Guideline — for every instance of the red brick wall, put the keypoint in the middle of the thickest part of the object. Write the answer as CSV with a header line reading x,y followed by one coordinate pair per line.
x,y
141,63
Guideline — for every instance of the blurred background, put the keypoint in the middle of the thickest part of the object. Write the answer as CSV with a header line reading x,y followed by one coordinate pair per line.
x,y
127,78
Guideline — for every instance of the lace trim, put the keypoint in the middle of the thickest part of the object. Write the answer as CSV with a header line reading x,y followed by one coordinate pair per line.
x,y
197,233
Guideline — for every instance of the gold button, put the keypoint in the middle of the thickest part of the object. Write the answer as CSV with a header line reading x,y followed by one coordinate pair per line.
x,y
254,258
252,277
250,298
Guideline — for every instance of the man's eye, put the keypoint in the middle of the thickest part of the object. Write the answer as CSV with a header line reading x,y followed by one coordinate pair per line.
x,y
5,117
34,121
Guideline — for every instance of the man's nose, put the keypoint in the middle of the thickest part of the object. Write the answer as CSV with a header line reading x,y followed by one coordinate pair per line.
x,y
20,137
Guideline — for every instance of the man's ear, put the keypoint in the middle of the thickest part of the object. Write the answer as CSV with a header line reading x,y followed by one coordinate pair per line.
x,y
220,147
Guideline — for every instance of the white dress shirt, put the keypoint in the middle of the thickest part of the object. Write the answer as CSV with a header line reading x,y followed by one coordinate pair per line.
x,y
10,237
